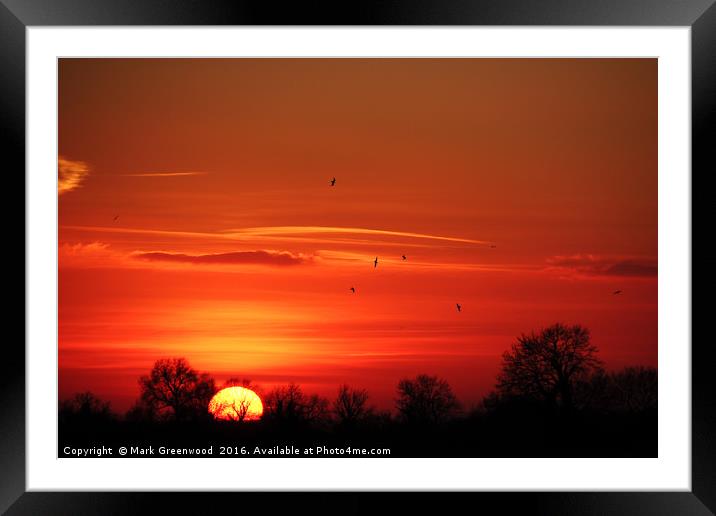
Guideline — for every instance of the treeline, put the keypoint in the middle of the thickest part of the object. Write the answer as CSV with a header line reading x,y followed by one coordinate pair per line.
x,y
552,373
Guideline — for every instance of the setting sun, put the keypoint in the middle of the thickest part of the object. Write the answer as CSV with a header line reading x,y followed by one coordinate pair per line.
x,y
236,404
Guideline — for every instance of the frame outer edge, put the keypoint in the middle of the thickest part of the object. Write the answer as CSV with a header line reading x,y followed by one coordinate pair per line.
x,y
703,395
365,12
12,145
12,124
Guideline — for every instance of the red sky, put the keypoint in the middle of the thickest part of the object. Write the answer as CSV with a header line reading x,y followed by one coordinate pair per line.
x,y
231,249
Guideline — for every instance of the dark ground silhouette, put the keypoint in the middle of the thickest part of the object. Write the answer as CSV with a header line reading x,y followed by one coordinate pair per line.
x,y
552,399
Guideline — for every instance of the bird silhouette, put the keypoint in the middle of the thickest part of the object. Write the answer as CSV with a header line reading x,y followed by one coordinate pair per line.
x,y
405,257
115,218
493,246
616,292
459,308
333,182
352,289
375,262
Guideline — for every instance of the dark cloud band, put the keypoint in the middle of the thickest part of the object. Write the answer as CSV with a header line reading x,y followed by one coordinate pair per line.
x,y
279,259
604,266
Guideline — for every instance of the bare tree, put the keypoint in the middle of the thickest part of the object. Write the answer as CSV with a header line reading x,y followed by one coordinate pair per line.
x,y
425,400
238,382
239,405
316,409
85,407
175,390
284,403
236,410
547,365
289,404
590,391
633,389
350,405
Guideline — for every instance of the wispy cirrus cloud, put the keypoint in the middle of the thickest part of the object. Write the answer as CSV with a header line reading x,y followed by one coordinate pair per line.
x,y
165,174
310,234
92,248
70,174
289,231
261,257
591,265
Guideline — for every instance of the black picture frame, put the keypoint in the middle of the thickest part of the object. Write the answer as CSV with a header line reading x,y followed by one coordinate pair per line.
x,y
699,15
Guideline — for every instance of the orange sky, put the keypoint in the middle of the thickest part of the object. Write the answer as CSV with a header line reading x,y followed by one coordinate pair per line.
x,y
231,248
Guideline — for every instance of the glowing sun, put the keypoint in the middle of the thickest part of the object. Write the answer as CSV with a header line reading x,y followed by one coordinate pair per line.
x,y
236,404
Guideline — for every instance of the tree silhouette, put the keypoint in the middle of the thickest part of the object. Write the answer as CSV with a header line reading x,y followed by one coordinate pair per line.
x,y
176,391
86,408
425,400
236,410
288,404
350,406
590,391
141,412
547,365
635,388
239,382
241,400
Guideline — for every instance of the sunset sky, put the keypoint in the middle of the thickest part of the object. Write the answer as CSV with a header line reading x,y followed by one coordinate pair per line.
x,y
196,218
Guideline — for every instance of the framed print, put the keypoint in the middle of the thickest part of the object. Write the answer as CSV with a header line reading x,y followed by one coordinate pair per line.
x,y
408,248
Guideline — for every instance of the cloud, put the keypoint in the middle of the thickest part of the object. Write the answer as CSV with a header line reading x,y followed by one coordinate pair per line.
x,y
79,249
93,254
317,230
295,234
70,174
592,265
99,254
165,174
275,258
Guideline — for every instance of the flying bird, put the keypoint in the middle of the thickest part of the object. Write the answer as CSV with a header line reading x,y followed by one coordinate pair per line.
x,y
405,257
333,182
352,289
616,292
115,218
493,246
459,308
375,262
